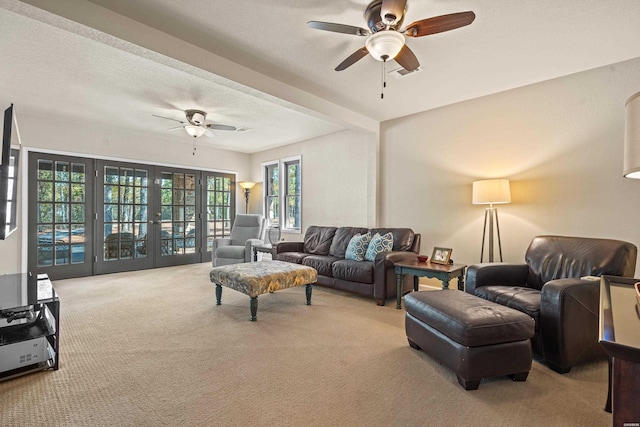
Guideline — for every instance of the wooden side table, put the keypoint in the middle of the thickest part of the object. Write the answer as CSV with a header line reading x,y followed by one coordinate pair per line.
x,y
444,272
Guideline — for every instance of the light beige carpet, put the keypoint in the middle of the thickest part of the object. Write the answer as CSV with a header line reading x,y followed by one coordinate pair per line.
x,y
151,348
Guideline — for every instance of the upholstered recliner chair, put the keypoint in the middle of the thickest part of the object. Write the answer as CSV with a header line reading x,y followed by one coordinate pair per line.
x,y
549,288
247,231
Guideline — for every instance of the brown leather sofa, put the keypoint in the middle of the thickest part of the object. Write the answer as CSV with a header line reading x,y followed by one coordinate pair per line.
x,y
324,249
549,288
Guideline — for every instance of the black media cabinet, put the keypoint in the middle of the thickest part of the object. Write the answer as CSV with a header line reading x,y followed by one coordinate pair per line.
x,y
29,325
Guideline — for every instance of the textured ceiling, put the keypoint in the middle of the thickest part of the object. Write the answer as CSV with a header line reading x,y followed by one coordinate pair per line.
x,y
510,44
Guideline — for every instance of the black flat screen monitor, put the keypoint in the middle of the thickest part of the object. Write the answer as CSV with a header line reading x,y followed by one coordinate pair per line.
x,y
8,179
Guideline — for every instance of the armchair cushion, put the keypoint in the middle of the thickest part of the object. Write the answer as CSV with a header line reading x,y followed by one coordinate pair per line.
x,y
558,257
247,227
523,299
231,251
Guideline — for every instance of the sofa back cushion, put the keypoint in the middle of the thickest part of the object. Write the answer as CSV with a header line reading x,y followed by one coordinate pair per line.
x,y
317,239
342,238
559,257
402,237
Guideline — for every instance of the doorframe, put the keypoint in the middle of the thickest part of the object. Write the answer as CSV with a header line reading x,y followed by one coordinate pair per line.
x,y
24,187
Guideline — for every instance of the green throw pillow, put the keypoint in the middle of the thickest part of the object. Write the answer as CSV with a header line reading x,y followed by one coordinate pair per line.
x,y
357,247
379,244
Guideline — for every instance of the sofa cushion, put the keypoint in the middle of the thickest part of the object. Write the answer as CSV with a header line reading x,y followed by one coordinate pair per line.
x,y
342,238
526,300
357,247
402,237
317,239
322,263
353,271
295,257
379,243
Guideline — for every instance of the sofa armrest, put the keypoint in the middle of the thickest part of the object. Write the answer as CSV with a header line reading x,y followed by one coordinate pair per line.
x,y
289,247
495,273
384,275
569,321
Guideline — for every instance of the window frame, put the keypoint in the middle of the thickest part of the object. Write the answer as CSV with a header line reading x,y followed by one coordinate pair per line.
x,y
283,195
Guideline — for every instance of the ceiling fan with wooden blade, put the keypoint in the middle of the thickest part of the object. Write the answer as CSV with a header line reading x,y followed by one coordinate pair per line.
x,y
385,38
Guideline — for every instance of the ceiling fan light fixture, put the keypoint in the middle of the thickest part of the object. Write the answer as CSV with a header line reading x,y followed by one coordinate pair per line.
x,y
385,45
195,131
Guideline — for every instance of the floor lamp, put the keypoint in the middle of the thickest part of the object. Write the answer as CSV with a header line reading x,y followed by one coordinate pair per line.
x,y
491,192
247,185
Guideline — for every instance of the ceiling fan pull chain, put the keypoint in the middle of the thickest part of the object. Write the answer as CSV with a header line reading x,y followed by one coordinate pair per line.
x,y
194,146
383,78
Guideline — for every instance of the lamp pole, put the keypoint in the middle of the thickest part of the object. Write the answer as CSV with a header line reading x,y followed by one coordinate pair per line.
x,y
247,191
490,213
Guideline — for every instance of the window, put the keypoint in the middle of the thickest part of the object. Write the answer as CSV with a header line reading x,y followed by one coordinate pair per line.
x,y
287,193
272,213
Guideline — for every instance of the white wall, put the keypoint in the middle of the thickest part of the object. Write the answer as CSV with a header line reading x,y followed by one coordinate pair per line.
x,y
560,143
74,138
339,175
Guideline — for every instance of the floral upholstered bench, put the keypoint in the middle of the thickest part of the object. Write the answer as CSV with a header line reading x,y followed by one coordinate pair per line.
x,y
257,278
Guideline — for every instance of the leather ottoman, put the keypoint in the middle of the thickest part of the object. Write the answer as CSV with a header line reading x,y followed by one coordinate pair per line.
x,y
474,337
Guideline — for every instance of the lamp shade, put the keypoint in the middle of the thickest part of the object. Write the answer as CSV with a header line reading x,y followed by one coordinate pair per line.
x,y
247,185
632,137
385,45
491,191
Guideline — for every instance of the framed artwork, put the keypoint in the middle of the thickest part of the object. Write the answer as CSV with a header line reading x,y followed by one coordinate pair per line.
x,y
441,255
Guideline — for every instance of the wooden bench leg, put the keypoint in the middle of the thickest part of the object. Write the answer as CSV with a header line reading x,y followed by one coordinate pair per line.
x,y
218,294
253,306
308,292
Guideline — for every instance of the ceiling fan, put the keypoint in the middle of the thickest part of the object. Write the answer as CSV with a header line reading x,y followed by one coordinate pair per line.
x,y
385,39
195,124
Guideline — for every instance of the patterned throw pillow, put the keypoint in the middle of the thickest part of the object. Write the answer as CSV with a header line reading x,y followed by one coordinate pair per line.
x,y
379,244
357,247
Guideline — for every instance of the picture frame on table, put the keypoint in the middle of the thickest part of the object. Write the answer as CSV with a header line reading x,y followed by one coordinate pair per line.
x,y
441,255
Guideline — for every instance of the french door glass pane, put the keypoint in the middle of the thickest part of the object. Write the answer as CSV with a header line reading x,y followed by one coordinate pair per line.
x,y
60,225
178,213
219,190
125,216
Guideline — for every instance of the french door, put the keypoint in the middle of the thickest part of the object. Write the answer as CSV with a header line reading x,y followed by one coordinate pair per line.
x,y
99,216
60,225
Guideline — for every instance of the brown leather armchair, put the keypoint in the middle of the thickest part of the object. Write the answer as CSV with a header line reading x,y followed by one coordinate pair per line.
x,y
549,288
